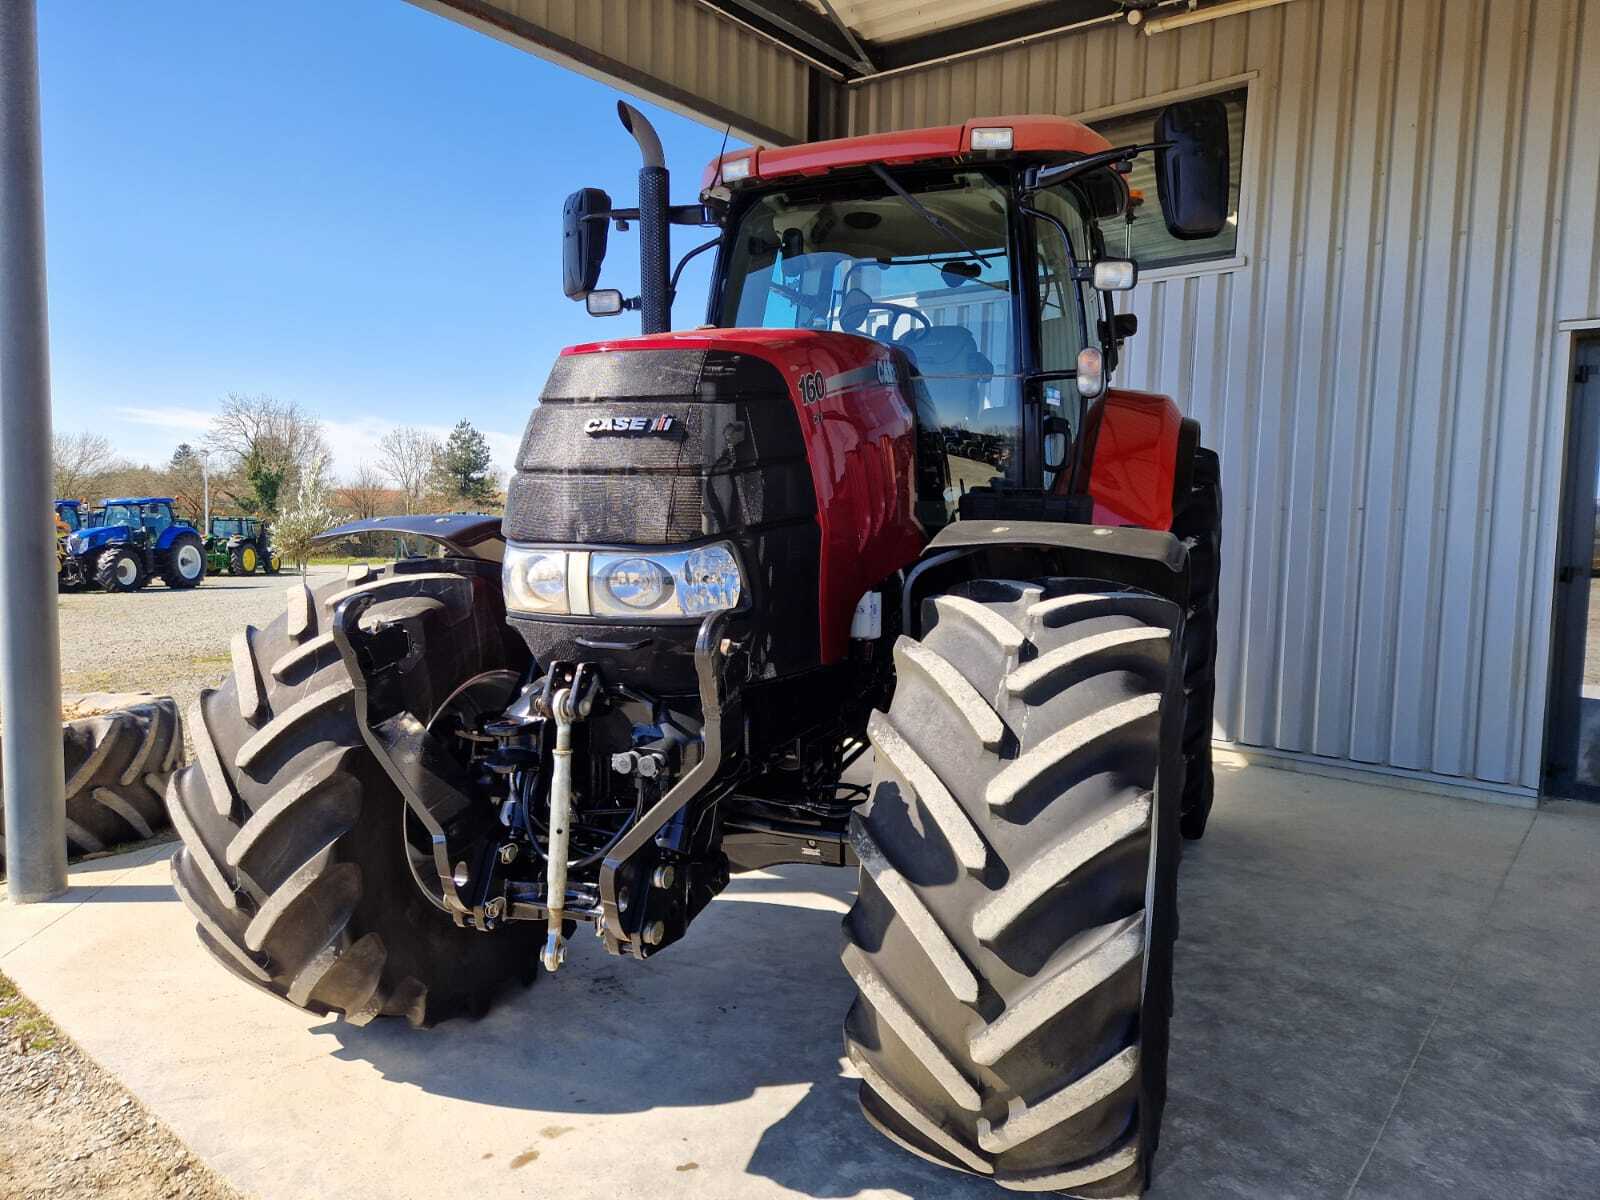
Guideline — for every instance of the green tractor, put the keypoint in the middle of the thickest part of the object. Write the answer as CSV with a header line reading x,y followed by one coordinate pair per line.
x,y
241,546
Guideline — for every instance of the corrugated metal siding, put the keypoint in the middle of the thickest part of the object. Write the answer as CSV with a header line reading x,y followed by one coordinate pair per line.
x,y
678,52
1380,373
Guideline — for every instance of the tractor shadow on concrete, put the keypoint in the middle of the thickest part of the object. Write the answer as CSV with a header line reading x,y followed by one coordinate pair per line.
x,y
754,998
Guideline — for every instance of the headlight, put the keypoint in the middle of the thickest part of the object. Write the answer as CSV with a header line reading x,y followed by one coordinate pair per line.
x,y
635,583
674,583
622,584
535,581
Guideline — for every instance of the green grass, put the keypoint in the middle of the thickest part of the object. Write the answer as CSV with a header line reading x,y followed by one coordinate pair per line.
x,y
22,1022
342,560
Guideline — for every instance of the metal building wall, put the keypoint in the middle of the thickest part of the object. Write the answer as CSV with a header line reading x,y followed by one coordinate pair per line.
x,y
1382,368
676,52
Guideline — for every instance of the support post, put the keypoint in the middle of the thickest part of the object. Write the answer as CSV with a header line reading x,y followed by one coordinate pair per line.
x,y
30,654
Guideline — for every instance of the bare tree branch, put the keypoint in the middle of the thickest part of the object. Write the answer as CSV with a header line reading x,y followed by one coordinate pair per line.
x,y
366,493
407,455
80,461
267,434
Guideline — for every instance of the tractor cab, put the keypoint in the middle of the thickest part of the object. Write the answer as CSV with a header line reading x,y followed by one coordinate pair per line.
x,y
984,253
69,516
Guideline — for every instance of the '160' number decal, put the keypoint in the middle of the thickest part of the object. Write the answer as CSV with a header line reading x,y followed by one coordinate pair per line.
x,y
812,386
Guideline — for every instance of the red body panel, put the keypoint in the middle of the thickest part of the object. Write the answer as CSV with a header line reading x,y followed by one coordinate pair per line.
x,y
1029,135
861,444
1133,440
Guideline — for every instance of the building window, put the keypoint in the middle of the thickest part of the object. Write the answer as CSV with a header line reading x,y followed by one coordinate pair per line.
x,y
1146,235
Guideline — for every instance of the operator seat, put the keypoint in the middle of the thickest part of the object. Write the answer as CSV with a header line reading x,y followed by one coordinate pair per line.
x,y
948,359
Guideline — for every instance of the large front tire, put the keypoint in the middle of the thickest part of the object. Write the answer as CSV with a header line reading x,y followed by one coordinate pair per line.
x,y
1199,522
120,569
294,847
1012,937
243,559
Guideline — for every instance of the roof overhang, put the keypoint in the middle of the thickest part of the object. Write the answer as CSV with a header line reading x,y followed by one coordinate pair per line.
x,y
856,40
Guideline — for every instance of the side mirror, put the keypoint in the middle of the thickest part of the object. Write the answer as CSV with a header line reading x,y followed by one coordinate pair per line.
x,y
1115,275
604,302
583,241
1192,173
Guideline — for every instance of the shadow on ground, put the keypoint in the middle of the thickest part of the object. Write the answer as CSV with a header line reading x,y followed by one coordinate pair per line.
x,y
754,998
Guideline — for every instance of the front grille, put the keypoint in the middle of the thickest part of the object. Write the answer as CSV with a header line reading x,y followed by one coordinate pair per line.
x,y
735,461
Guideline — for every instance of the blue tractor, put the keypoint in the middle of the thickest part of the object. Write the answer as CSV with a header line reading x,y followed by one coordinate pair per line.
x,y
134,539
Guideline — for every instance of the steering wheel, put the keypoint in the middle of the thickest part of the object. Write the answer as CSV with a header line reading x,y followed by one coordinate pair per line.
x,y
857,306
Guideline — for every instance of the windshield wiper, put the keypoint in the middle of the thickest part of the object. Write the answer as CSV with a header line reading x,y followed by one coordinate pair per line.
x,y
924,212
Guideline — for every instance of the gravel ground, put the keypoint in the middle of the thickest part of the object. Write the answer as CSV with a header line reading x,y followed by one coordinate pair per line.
x,y
172,643
67,1129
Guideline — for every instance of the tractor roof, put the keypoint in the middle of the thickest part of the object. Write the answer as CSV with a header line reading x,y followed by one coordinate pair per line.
x,y
69,503
1030,135
139,500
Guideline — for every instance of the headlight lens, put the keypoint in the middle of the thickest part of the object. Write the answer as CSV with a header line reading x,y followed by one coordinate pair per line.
x,y
629,585
710,580
636,583
535,581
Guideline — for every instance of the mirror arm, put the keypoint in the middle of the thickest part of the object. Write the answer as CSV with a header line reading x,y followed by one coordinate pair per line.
x,y
1038,178
672,287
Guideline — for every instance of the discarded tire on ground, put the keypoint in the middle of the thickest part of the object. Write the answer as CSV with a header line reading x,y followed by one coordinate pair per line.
x,y
294,859
1012,938
117,765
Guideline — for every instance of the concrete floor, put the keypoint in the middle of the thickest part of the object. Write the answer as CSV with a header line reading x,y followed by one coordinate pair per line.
x,y
1380,994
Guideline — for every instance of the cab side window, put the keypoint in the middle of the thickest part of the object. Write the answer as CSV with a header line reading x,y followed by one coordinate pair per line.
x,y
1067,310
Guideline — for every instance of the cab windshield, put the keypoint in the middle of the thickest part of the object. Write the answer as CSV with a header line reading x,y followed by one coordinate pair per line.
x,y
871,264
120,514
69,516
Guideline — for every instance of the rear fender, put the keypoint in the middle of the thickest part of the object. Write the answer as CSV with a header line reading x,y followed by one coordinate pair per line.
x,y
171,534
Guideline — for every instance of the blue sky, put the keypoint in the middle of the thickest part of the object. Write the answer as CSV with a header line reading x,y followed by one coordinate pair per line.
x,y
354,205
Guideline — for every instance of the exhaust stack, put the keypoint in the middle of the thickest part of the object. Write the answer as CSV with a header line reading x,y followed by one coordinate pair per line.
x,y
655,245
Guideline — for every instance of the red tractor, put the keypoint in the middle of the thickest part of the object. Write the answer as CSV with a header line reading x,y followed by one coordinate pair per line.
x,y
883,498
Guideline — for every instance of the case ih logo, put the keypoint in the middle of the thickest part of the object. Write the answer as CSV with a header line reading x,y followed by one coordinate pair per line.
x,y
635,426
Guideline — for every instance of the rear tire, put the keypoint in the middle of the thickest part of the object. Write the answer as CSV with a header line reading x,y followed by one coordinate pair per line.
x,y
183,564
293,858
120,569
1012,937
117,767
1199,522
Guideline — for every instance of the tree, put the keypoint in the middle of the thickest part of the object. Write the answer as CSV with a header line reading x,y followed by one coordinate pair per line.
x,y
267,441
81,460
366,493
266,479
187,481
306,515
464,468
406,454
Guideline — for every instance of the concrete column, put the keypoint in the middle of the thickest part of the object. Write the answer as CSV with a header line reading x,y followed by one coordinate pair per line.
x,y
30,654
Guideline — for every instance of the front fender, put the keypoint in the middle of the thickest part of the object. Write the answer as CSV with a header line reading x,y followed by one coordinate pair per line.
x,y
463,535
